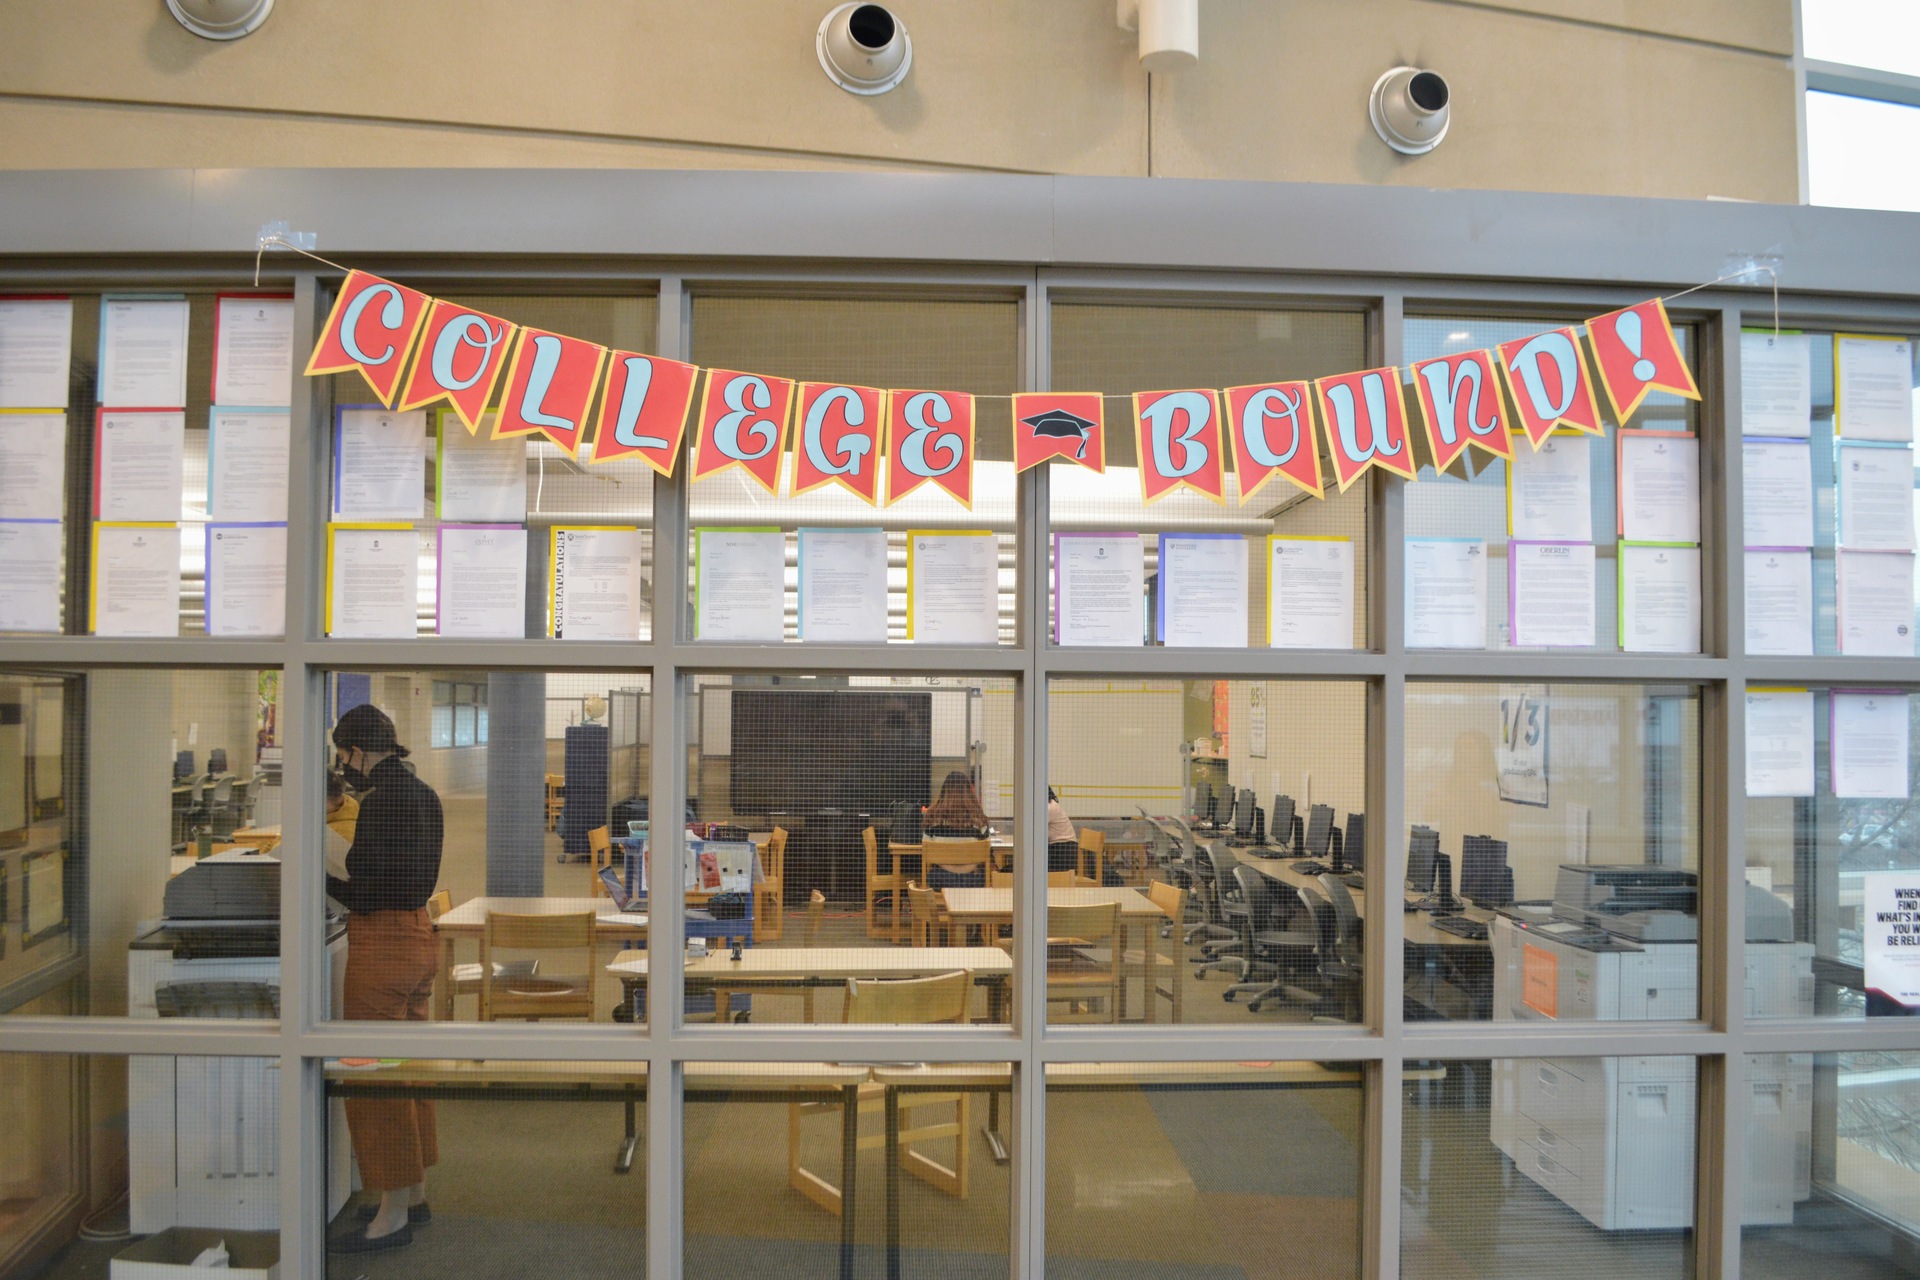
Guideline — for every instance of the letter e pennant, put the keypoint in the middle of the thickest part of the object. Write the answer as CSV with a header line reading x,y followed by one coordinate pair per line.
x,y
743,423
930,437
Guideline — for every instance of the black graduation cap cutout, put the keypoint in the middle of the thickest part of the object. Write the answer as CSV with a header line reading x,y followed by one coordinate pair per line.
x,y
1058,424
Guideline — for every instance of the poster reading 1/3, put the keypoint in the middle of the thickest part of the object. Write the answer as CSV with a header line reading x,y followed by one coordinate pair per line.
x,y
1522,757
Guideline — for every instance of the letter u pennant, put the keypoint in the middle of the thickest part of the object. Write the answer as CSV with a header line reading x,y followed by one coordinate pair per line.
x,y
1636,352
1177,434
1365,418
837,439
462,352
743,423
550,387
930,437
371,328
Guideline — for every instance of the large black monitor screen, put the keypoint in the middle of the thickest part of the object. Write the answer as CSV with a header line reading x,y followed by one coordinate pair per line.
x,y
798,750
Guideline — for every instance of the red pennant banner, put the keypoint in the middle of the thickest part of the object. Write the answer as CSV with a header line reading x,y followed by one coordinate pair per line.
x,y
1177,438
1460,404
1549,384
837,439
644,410
1059,424
1271,427
743,423
371,328
930,437
1365,419
462,352
550,387
1636,352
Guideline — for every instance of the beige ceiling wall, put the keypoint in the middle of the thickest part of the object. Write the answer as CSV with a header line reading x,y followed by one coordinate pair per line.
x,y
1638,97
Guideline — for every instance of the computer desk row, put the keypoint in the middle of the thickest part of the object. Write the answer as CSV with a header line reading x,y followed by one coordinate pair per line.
x,y
1419,924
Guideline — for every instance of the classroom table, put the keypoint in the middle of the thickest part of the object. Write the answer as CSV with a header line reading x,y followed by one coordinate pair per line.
x,y
262,837
792,968
993,908
469,920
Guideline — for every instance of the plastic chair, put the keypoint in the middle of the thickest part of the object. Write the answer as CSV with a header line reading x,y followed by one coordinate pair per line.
x,y
506,995
1279,946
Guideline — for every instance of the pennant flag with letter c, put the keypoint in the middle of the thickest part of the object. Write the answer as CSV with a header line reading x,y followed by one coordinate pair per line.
x,y
1460,403
462,352
930,437
836,439
1059,424
1548,381
371,328
1271,427
550,386
743,423
644,410
1636,352
1365,419
1177,436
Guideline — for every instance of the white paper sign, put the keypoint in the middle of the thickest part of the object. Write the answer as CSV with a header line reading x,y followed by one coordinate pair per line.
x,y
1310,593
136,580
953,587
1780,603
480,480
1869,739
1876,498
374,589
253,352
1873,388
1659,599
1203,591
843,585
379,465
1550,490
482,591
1446,593
1659,487
246,579
36,352
33,466
740,584
138,467
1776,384
30,575
1520,757
596,583
247,464
1779,742
1550,594
143,353
1099,589
1890,941
1778,493
1875,602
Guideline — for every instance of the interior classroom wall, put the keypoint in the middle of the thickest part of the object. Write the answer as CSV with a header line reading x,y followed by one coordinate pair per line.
x,y
1113,745
216,709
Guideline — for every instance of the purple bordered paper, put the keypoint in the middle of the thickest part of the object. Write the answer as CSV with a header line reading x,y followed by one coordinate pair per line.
x,y
1160,596
1513,579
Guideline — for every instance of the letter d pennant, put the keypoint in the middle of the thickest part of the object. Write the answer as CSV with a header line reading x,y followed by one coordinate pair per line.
x,y
1548,381
1177,434
550,387
1636,352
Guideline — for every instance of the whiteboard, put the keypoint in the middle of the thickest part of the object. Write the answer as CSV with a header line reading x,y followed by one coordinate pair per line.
x,y
950,726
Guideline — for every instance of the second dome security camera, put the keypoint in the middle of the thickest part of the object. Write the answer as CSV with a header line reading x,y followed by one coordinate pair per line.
x,y
863,48
1408,107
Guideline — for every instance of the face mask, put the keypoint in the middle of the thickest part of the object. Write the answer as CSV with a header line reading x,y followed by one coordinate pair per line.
x,y
355,779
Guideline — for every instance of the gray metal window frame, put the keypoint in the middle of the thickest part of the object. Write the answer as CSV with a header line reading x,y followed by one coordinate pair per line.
x,y
1389,251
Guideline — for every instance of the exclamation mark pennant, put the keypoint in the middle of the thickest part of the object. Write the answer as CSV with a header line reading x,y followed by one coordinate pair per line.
x,y
1637,351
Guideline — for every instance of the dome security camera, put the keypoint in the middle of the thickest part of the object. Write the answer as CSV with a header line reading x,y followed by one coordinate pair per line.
x,y
863,48
1408,107
220,19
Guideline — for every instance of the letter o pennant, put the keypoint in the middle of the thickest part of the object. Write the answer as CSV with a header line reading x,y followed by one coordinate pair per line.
x,y
644,410
1271,427
462,352
743,423
930,438
371,328
836,439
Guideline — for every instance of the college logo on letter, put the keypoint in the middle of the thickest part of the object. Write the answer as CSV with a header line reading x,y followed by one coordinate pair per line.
x,y
1271,427
930,437
1059,424
644,410
837,439
1365,418
1460,401
462,352
1177,436
371,328
550,387
1548,382
743,423
1636,352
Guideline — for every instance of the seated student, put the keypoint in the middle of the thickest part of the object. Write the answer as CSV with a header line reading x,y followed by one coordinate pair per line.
x,y
343,811
955,814
1063,844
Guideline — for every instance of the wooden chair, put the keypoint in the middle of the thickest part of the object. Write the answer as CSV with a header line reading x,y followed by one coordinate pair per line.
x,y
939,999
465,978
889,882
1069,880
929,922
571,995
1084,956
599,856
816,913
769,904
1172,902
556,798
1093,850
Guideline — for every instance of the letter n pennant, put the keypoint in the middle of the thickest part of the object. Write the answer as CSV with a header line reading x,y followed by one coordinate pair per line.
x,y
930,437
1177,434
371,328
743,423
837,439
1636,352
1059,424
1460,402
1549,384
1271,427
462,352
1365,418
550,387
644,410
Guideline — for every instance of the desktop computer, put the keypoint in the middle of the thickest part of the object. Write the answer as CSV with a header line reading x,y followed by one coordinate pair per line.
x,y
217,760
1317,843
1422,844
1485,878
182,766
1283,830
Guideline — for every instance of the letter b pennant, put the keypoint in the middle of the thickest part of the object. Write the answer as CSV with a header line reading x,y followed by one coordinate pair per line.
x,y
1177,434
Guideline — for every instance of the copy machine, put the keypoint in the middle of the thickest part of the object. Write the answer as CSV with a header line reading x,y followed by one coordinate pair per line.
x,y
1614,1137
204,1132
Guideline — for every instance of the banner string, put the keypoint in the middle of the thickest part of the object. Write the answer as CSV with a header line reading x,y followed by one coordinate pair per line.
x,y
1773,278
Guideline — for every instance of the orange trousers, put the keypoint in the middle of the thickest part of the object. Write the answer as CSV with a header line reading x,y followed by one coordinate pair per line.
x,y
392,958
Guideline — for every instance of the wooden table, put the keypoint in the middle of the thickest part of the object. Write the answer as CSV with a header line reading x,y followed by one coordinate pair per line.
x,y
791,968
469,920
259,837
991,908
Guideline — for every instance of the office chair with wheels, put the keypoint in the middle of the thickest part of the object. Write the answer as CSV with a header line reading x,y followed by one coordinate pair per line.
x,y
1231,909
1342,964
222,815
1298,981
1276,945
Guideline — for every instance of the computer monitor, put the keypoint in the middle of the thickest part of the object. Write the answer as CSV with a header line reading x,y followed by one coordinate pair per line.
x,y
1319,831
1243,815
1211,807
1485,879
1280,831
1258,831
1442,902
1422,844
217,760
1356,842
182,766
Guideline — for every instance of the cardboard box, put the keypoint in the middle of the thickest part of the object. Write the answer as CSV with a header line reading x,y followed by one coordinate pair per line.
x,y
255,1255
